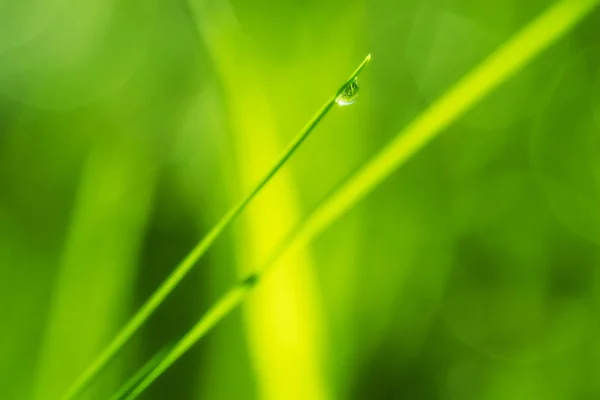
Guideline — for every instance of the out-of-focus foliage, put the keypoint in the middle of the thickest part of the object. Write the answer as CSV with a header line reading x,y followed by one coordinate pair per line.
x,y
128,128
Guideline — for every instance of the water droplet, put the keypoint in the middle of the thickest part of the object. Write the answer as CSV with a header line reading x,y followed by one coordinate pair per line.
x,y
349,94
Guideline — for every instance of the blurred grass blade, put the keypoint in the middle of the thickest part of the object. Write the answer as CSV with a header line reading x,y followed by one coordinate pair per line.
x,y
140,374
496,69
112,206
186,265
505,62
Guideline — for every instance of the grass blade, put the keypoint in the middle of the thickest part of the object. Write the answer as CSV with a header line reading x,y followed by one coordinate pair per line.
x,y
501,65
186,265
140,374
101,250
216,313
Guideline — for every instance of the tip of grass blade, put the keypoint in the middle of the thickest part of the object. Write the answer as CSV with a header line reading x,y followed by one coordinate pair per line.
x,y
363,64
354,75
182,269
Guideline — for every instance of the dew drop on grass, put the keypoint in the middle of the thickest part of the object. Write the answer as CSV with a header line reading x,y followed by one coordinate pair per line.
x,y
349,94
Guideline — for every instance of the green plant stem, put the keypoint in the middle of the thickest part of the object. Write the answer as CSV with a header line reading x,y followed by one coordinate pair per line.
x,y
169,284
140,374
501,65
216,313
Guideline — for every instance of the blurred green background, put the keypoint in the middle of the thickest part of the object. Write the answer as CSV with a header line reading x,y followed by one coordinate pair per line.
x,y
128,128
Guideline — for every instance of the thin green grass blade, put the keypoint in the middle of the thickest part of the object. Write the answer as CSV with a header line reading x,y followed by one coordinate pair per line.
x,y
501,65
216,313
186,265
140,374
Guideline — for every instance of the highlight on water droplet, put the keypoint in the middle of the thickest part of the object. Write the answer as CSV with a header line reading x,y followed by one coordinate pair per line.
x,y
349,94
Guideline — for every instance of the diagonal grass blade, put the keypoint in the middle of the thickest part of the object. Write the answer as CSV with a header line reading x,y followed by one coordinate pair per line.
x,y
550,26
197,252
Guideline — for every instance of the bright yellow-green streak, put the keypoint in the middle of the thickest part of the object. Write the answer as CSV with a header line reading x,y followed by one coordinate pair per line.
x,y
505,62
186,265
